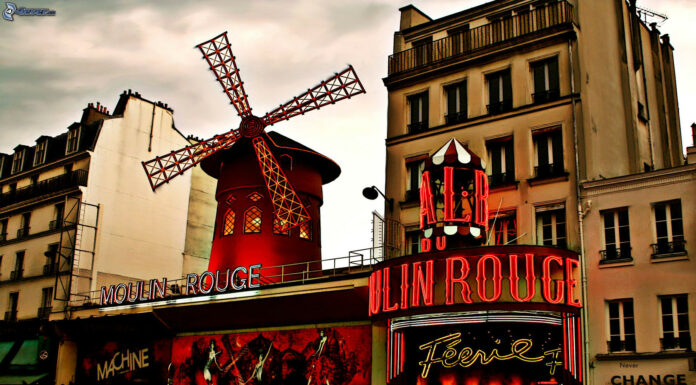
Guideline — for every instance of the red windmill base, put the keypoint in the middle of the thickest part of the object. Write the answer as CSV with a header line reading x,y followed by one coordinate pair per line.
x,y
246,230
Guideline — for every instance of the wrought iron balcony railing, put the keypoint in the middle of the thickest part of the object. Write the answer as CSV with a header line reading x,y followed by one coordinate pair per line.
x,y
499,107
612,254
417,127
16,274
666,249
61,182
627,345
49,268
412,195
548,170
502,179
668,343
546,96
44,312
476,39
11,315
55,224
3,237
23,232
456,117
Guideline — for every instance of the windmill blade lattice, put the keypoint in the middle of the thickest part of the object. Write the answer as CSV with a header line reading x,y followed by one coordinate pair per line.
x,y
163,168
218,53
289,209
342,85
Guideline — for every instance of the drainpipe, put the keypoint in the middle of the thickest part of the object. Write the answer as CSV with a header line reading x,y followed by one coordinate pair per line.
x,y
581,214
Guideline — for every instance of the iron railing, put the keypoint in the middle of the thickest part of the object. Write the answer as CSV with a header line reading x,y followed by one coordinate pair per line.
x,y
456,117
49,268
417,127
627,345
667,343
546,96
501,179
499,107
11,315
665,249
3,237
16,275
23,232
61,182
485,36
55,224
356,261
44,312
614,254
548,170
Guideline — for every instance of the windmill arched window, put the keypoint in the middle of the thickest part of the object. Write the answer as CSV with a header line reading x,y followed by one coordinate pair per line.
x,y
306,230
228,222
277,228
252,220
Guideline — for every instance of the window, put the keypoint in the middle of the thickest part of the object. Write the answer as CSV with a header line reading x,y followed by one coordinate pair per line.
x,y
40,152
622,332
73,139
18,271
18,161
414,169
545,73
11,314
501,161
23,230
550,226
252,220
413,242
306,230
617,237
675,322
46,302
499,92
456,103
58,212
548,146
419,112
278,229
51,257
503,228
3,229
255,197
423,50
228,223
460,38
669,229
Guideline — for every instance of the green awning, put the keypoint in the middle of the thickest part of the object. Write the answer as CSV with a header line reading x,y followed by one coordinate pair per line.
x,y
21,380
5,348
28,354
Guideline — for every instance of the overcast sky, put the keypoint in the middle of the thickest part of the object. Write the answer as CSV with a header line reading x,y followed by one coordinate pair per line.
x,y
51,67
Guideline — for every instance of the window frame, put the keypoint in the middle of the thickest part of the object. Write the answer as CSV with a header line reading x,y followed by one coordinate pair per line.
x,y
552,139
460,103
18,160
227,222
552,210
627,340
503,79
674,244
422,98
413,194
676,329
503,145
501,220
548,93
40,152
72,141
620,249
257,227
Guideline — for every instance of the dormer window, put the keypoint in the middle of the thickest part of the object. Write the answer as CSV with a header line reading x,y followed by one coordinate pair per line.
x,y
73,139
40,152
18,161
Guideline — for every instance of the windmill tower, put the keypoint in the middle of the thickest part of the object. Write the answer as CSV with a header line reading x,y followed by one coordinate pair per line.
x,y
269,187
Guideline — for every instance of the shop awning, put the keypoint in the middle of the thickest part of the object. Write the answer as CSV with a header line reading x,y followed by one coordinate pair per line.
x,y
21,380
5,348
28,354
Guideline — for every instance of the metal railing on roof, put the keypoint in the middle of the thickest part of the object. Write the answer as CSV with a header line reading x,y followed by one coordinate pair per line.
x,y
488,35
61,182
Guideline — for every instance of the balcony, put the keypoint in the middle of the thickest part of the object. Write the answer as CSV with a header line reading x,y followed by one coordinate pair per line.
x,y
65,181
23,232
546,96
412,196
44,312
11,316
49,268
551,170
417,127
676,343
456,117
16,275
669,249
3,237
616,346
613,255
498,33
499,107
502,179
55,224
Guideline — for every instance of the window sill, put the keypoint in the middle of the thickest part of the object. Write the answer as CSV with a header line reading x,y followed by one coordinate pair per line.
x,y
607,263
669,257
539,180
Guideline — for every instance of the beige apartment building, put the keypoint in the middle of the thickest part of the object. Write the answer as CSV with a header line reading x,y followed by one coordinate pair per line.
x,y
77,212
564,101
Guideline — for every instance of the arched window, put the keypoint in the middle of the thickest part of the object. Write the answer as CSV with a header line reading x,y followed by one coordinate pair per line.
x,y
277,227
252,220
306,230
228,223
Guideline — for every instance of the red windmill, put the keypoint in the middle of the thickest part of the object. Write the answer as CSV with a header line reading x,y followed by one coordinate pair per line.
x,y
239,180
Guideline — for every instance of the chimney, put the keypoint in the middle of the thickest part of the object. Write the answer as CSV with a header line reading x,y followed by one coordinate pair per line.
x,y
691,150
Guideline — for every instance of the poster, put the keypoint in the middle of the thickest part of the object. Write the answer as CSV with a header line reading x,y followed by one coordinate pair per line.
x,y
116,363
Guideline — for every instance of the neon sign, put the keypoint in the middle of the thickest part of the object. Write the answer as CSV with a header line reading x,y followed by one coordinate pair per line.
x,y
521,274
206,283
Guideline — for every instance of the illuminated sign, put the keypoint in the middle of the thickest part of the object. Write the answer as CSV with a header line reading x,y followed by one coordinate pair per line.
x,y
123,362
496,348
206,283
517,274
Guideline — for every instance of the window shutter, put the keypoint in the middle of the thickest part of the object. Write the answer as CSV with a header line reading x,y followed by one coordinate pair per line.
x,y
553,74
507,86
424,101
